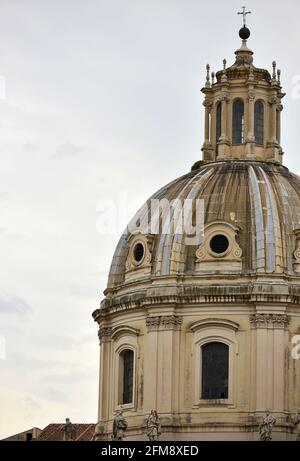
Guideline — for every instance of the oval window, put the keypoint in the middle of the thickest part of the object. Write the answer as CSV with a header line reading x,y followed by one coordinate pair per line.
x,y
219,244
138,252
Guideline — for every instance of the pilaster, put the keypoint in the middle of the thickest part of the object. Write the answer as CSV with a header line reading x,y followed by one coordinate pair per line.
x,y
163,365
269,341
104,335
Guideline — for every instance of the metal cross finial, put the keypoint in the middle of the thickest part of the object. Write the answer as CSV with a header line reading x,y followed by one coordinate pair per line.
x,y
244,13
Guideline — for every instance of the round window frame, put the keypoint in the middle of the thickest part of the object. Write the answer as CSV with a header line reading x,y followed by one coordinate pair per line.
x,y
226,252
134,261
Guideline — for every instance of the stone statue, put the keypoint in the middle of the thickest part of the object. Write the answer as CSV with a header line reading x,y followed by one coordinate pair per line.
x,y
296,422
119,426
69,431
153,426
265,429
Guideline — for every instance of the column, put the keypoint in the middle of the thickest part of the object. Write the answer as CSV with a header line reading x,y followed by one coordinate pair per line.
x,y
278,125
250,133
223,149
212,131
273,120
224,135
207,148
207,104
104,377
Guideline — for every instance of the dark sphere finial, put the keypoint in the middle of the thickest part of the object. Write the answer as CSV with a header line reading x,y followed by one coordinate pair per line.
x,y
244,33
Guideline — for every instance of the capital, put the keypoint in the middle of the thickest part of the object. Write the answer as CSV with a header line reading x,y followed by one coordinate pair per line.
x,y
207,104
104,334
251,96
224,97
273,100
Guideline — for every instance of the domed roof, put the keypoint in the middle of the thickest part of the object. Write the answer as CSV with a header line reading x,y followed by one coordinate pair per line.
x,y
260,199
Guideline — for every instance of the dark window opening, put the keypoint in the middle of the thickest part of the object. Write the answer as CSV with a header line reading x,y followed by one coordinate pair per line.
x,y
127,381
215,360
259,123
238,122
219,244
138,252
219,122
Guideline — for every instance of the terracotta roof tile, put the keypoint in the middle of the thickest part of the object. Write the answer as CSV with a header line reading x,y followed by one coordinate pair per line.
x,y
54,432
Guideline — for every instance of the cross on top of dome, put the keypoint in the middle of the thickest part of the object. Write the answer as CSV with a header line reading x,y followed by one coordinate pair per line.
x,y
244,13
244,32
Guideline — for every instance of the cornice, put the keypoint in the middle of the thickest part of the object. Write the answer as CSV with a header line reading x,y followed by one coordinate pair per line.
x,y
202,295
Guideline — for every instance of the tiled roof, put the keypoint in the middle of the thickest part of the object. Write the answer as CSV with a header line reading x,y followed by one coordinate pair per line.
x,y
54,432
33,434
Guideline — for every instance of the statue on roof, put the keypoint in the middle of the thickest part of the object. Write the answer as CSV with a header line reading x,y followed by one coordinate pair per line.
x,y
69,431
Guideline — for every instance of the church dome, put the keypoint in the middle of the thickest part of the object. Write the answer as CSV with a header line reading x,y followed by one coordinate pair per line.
x,y
258,202
201,312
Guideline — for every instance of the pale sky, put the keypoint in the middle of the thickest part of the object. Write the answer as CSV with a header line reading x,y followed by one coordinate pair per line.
x,y
102,97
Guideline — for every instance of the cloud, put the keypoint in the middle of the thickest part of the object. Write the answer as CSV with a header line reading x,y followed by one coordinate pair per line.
x,y
14,305
54,342
67,150
3,195
30,147
64,379
32,405
56,395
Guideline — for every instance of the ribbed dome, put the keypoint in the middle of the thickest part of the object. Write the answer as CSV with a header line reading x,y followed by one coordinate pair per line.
x,y
261,199
210,322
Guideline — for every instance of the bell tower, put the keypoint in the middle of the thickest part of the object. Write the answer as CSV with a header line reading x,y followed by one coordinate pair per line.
x,y
243,109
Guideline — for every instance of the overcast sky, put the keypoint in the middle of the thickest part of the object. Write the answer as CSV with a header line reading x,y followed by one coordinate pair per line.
x,y
102,98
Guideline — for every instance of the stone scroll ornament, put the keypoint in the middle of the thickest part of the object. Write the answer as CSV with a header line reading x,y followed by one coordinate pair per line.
x,y
153,426
266,427
119,427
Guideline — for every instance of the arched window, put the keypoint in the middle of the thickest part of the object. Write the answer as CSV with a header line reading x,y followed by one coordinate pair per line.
x,y
126,377
259,123
238,122
218,121
215,365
